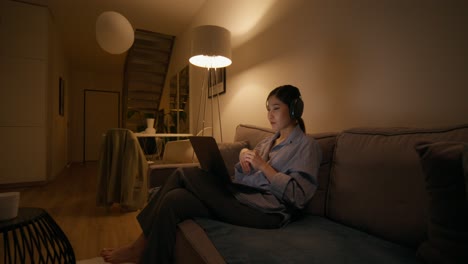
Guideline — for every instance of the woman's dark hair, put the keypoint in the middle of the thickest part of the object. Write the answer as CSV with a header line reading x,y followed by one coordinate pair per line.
x,y
287,94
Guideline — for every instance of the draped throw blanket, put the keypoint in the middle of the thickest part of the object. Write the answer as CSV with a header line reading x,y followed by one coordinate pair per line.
x,y
122,171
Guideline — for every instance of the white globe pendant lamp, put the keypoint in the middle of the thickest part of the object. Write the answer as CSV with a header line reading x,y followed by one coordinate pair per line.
x,y
114,33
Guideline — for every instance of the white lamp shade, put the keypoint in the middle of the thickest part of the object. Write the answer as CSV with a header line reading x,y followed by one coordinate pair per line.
x,y
211,47
114,33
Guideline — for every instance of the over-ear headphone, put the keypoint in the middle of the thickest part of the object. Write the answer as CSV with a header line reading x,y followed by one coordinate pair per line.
x,y
296,107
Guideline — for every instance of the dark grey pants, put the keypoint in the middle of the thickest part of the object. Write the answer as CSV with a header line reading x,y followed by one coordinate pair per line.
x,y
188,193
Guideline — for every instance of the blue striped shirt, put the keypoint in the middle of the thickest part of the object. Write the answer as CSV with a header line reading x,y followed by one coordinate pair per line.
x,y
296,160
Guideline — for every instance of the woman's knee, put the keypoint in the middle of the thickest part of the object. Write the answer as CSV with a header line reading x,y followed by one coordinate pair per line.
x,y
174,198
183,204
181,175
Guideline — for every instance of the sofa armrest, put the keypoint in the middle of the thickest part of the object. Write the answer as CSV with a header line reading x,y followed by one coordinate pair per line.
x,y
194,246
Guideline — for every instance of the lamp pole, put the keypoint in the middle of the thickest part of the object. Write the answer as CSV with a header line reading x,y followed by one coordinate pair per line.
x,y
210,49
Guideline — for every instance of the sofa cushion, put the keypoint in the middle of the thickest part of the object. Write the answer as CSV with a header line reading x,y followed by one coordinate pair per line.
x,y
446,183
311,239
377,183
326,142
252,134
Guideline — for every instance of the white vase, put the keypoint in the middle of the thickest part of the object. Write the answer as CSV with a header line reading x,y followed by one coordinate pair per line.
x,y
150,126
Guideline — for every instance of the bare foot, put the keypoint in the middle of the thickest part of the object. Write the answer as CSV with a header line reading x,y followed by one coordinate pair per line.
x,y
125,254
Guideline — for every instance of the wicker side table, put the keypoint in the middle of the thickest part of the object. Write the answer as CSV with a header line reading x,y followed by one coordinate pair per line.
x,y
34,237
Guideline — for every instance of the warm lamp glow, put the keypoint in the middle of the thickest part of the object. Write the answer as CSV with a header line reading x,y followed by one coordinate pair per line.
x,y
210,61
211,47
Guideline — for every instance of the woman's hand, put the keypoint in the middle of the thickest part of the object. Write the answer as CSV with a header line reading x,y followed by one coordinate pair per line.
x,y
243,162
252,158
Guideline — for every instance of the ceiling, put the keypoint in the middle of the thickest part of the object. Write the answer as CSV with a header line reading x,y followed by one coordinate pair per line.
x,y
76,20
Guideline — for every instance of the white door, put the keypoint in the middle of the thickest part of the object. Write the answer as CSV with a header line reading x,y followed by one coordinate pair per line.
x,y
101,113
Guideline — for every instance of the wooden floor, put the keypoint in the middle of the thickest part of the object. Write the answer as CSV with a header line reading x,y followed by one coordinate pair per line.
x,y
71,200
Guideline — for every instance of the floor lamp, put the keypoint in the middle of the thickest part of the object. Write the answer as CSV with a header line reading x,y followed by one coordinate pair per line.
x,y
210,49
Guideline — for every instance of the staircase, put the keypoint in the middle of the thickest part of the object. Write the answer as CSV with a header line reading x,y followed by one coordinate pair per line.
x,y
145,73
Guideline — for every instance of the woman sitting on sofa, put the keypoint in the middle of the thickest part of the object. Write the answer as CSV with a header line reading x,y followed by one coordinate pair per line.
x,y
281,175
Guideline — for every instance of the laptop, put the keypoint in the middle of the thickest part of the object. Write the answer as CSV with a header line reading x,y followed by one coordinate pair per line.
x,y
211,160
209,156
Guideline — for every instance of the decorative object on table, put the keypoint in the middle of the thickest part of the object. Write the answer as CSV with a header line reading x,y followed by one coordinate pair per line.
x,y
9,202
140,120
150,126
34,237
211,49
114,33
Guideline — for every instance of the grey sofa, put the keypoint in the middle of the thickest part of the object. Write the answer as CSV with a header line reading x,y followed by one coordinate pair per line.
x,y
372,206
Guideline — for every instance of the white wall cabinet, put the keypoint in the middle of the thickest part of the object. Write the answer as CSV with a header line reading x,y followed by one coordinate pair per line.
x,y
23,92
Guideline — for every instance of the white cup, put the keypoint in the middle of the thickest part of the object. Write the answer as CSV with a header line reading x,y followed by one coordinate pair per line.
x,y
9,203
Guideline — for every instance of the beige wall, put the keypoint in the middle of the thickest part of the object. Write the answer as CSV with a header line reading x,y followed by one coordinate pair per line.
x,y
58,130
357,63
